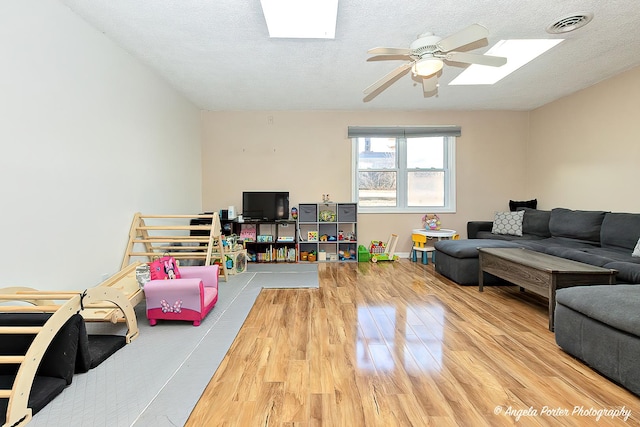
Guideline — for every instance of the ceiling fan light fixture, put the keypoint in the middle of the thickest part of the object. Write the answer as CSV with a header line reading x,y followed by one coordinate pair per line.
x,y
427,66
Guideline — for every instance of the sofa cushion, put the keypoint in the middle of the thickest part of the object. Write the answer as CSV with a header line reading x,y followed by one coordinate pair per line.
x,y
508,223
613,305
490,235
542,244
577,225
515,205
469,248
536,222
628,272
210,295
613,254
620,230
579,255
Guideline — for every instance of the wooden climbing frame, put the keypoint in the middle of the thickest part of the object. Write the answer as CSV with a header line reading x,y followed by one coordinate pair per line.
x,y
154,235
70,303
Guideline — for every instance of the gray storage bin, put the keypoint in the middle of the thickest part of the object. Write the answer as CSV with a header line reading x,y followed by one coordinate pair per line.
x,y
347,213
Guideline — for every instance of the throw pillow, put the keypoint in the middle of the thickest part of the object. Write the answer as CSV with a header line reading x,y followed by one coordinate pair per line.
x,y
531,204
636,250
508,223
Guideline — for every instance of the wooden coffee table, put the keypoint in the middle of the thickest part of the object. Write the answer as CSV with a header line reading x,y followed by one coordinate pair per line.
x,y
540,273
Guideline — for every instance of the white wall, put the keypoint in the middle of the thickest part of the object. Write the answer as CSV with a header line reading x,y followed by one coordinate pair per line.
x,y
89,136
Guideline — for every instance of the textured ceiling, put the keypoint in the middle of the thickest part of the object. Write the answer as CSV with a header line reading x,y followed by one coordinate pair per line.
x,y
219,55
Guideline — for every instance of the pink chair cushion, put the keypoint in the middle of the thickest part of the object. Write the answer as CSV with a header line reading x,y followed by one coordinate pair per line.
x,y
210,296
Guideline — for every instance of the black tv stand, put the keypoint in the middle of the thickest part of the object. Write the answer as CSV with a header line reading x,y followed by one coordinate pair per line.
x,y
254,220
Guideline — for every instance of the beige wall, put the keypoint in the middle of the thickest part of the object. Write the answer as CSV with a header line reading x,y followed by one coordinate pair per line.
x,y
584,150
309,154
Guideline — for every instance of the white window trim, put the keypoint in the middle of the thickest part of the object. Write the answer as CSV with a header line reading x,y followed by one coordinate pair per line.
x,y
450,182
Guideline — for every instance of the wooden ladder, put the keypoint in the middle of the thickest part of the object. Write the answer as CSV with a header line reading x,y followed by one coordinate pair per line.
x,y
18,413
183,242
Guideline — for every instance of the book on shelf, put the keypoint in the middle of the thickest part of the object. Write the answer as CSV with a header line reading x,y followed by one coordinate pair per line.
x,y
248,232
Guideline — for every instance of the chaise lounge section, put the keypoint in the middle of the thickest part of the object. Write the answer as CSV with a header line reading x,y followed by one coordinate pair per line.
x,y
603,239
600,325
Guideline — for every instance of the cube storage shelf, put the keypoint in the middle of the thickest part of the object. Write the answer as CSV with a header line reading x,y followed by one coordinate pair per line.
x,y
329,229
267,241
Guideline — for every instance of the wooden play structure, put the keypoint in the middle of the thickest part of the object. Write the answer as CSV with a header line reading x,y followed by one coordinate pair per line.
x,y
199,241
124,281
62,306
154,235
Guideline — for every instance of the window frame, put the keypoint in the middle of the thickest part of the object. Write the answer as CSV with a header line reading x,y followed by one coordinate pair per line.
x,y
401,134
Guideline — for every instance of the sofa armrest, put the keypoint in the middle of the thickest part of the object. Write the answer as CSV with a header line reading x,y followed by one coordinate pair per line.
x,y
207,273
182,293
473,227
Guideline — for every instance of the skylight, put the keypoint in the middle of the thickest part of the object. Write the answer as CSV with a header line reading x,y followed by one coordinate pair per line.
x,y
301,19
517,52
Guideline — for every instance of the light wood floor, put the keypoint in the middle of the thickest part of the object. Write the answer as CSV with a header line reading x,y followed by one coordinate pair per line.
x,y
396,344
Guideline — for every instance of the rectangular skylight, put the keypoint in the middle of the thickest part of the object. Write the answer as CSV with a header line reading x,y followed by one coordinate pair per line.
x,y
301,19
517,52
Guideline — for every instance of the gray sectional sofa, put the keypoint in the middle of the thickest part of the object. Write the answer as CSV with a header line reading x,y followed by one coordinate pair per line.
x,y
603,239
600,324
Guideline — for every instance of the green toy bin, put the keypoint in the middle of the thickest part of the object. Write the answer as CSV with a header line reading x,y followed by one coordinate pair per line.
x,y
363,254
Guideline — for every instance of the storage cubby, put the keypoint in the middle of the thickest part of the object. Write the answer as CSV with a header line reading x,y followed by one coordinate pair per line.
x,y
333,229
268,241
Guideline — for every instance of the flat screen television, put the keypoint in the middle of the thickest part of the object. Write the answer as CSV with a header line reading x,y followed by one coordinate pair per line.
x,y
265,205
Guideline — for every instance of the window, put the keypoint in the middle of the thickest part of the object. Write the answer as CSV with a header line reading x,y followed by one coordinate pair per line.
x,y
404,169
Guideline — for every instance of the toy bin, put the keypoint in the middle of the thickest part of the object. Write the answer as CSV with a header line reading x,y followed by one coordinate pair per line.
x,y
363,254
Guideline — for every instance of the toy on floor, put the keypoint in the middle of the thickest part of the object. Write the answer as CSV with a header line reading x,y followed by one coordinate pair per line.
x,y
384,252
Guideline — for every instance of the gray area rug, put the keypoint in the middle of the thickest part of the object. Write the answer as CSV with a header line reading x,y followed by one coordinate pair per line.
x,y
283,276
281,268
157,379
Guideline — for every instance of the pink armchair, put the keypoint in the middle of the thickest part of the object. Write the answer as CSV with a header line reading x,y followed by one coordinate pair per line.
x,y
189,298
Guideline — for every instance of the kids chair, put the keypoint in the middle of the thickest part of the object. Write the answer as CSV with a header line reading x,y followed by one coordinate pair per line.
x,y
420,245
189,298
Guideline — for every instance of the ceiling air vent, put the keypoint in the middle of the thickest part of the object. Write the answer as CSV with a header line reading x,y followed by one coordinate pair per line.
x,y
569,23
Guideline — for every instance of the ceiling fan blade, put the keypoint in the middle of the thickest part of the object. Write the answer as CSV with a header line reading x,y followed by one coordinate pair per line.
x,y
429,84
389,51
474,58
470,34
390,76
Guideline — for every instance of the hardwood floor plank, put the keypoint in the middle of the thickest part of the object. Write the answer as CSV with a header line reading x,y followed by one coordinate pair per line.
x,y
396,344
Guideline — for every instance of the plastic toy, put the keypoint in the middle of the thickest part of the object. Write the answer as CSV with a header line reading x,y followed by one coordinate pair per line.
x,y
384,252
431,222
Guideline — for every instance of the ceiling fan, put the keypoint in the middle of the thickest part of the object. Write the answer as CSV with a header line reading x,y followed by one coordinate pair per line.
x,y
427,54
